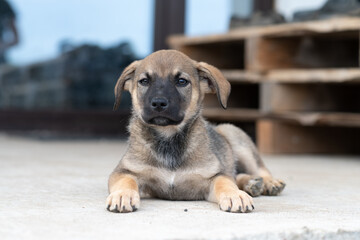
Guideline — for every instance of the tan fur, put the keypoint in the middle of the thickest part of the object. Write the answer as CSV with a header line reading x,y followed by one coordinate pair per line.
x,y
243,150
229,197
124,195
242,180
123,83
247,153
191,160
218,81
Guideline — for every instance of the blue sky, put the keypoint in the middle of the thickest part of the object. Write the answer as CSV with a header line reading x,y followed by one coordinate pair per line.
x,y
44,23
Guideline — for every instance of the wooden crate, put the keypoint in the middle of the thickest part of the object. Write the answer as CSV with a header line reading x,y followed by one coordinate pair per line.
x,y
299,79
279,137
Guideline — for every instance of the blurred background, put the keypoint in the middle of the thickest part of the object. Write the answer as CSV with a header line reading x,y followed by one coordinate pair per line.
x,y
60,61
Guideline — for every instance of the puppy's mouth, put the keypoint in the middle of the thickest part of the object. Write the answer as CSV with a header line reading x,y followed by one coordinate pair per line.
x,y
163,121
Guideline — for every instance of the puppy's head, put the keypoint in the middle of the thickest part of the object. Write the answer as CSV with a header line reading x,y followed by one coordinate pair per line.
x,y
167,87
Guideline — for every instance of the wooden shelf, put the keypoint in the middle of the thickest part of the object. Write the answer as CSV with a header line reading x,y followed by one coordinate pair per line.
x,y
334,25
299,82
278,137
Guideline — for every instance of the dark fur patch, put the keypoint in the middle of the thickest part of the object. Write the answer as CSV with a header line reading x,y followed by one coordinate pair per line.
x,y
240,167
164,88
171,149
216,143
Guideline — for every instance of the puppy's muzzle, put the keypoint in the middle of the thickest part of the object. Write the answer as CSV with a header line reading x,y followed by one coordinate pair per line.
x,y
160,112
159,104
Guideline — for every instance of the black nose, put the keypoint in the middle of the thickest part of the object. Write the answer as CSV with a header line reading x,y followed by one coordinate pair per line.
x,y
159,104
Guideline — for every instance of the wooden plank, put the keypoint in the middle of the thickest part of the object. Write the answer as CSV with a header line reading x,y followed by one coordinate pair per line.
x,y
328,75
310,97
333,25
232,114
319,118
265,137
276,137
265,54
262,54
178,41
266,97
242,76
335,119
279,98
332,75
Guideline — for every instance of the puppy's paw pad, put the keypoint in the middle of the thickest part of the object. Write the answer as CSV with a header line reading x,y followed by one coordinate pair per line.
x,y
123,201
237,202
273,187
255,186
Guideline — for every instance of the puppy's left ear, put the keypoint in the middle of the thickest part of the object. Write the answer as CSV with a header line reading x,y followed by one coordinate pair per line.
x,y
216,81
123,84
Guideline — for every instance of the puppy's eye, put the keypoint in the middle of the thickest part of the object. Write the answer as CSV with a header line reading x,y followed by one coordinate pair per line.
x,y
182,82
144,82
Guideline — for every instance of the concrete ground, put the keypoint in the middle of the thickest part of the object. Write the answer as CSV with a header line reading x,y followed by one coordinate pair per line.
x,y
57,189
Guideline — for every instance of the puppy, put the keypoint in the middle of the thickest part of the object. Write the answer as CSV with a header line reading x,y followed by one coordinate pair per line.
x,y
173,152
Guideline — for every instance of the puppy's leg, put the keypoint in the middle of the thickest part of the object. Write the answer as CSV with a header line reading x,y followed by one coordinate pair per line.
x,y
224,191
258,179
249,165
272,186
124,193
253,185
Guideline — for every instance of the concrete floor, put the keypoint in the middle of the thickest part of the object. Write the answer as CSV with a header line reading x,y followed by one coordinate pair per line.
x,y
57,189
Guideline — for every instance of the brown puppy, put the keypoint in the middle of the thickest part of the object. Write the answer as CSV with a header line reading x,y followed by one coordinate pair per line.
x,y
173,152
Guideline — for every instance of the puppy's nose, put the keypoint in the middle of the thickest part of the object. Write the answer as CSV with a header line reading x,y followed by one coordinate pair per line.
x,y
159,104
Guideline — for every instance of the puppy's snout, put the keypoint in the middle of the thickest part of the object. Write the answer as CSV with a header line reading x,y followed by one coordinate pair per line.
x,y
159,104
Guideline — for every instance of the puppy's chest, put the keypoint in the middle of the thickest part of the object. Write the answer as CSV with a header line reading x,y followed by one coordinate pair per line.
x,y
175,185
169,153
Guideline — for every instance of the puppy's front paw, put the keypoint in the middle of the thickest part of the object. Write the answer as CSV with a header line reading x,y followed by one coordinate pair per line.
x,y
238,201
123,201
273,187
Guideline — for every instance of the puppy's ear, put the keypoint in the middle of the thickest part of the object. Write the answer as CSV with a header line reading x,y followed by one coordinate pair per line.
x,y
123,84
216,82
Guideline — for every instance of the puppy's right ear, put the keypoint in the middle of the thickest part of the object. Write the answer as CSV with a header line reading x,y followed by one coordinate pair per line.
x,y
122,84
